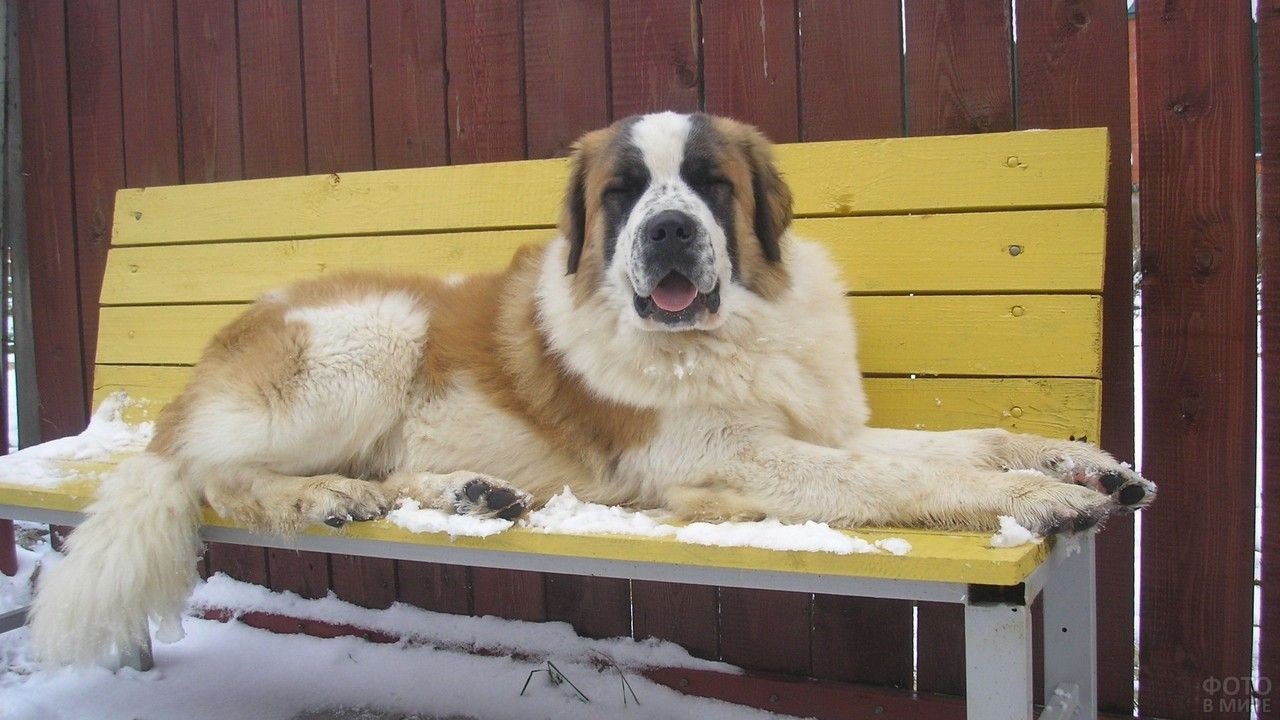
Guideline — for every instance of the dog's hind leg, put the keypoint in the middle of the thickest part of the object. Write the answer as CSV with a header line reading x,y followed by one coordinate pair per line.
x,y
274,502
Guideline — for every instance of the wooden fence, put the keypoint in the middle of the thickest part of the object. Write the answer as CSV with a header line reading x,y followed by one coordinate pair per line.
x,y
128,93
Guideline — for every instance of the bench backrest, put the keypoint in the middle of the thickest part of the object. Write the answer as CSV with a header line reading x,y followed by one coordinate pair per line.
x,y
974,263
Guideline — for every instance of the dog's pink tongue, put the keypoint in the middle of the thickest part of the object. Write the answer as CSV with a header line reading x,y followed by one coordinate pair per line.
x,y
674,293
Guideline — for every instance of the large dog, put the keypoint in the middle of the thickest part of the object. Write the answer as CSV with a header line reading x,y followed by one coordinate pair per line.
x,y
674,347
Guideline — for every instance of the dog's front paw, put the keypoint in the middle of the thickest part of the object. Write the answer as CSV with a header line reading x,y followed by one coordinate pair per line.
x,y
1049,508
1085,465
485,496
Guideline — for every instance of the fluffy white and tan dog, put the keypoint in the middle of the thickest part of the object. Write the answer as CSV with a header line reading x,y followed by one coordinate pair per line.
x,y
673,348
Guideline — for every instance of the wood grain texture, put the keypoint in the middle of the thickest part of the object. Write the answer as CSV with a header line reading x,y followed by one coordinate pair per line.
x,y
862,640
959,70
436,587
749,59
93,38
408,73
335,70
1073,72
655,56
766,629
566,65
1269,66
684,614
368,582
271,88
1199,357
510,594
850,70
209,90
959,66
596,607
149,85
50,217
486,96
298,571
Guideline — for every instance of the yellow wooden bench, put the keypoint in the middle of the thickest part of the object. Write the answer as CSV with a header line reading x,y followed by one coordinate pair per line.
x,y
974,266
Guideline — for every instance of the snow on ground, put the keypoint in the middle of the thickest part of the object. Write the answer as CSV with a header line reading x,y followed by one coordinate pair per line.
x,y
232,671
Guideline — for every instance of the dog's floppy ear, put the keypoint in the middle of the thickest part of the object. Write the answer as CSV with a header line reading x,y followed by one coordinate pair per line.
x,y
573,213
772,196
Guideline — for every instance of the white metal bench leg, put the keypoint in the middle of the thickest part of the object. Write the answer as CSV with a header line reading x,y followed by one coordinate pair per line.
x,y
997,653
1071,631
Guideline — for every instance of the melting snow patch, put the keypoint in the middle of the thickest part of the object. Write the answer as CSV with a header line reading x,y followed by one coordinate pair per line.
x,y
107,434
1011,534
413,517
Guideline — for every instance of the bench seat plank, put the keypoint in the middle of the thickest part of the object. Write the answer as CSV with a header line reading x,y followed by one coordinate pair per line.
x,y
1060,169
935,556
1058,251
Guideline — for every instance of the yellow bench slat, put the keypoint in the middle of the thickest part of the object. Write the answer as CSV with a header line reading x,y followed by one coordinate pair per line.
x,y
1023,335
936,556
1037,169
1055,407
1057,251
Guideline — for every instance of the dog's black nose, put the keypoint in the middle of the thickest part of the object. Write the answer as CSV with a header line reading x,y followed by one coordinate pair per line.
x,y
670,225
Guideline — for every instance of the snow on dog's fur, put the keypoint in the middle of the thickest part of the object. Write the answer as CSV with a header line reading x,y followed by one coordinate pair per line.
x,y
675,347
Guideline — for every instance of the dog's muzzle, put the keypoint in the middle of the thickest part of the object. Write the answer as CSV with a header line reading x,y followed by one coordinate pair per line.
x,y
678,278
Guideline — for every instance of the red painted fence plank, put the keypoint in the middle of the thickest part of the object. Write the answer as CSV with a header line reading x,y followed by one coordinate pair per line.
x,y
850,69
655,56
271,88
566,80
1199,358
408,73
1269,61
1073,72
750,64
149,85
959,80
684,614
335,63
93,37
50,216
486,98
959,66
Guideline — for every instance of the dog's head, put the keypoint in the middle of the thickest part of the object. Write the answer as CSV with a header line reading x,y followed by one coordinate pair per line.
x,y
669,215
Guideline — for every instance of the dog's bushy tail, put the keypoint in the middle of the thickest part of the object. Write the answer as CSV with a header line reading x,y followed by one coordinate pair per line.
x,y
132,560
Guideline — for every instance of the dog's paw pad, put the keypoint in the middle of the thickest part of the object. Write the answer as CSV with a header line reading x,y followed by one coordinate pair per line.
x,y
491,498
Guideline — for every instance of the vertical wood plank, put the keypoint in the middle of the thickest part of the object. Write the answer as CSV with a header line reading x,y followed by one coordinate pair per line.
x,y
50,216
1269,67
209,119
566,81
1199,359
483,53
684,614
270,54
655,56
149,85
410,130
339,131
93,36
271,88
335,57
750,64
407,56
959,80
959,66
765,630
851,87
1073,62
486,95
850,69
596,607
208,90
431,586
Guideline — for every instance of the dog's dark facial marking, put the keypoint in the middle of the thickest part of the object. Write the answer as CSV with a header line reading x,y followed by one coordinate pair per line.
x,y
701,170
576,210
773,203
629,180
